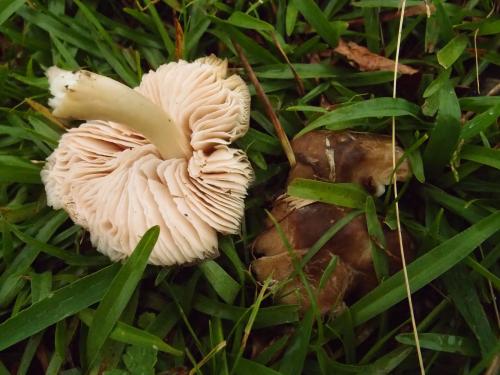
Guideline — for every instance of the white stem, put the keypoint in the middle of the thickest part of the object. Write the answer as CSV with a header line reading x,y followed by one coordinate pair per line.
x,y
88,96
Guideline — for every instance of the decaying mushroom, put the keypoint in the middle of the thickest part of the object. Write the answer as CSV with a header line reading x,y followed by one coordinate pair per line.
x,y
337,157
155,155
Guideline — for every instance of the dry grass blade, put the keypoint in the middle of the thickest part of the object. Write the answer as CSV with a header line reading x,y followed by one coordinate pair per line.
x,y
368,61
396,204
298,80
179,40
45,112
285,142
205,359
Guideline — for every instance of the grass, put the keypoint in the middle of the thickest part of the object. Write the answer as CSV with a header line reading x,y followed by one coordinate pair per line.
x,y
213,318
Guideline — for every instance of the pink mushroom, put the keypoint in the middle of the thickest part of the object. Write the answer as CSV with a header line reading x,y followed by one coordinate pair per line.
x,y
158,154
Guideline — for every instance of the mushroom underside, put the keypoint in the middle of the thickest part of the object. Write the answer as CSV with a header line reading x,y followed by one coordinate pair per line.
x,y
114,182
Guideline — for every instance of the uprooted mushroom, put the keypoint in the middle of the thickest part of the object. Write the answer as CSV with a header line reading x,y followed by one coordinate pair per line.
x,y
155,155
344,156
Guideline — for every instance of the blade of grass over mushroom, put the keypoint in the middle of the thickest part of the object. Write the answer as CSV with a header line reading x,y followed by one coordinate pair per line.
x,y
378,107
316,18
225,286
118,294
425,269
377,240
342,194
325,237
60,304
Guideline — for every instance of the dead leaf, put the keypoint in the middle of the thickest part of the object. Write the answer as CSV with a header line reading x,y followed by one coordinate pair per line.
x,y
368,61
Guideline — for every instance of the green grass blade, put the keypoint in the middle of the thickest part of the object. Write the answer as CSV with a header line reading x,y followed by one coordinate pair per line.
x,y
8,8
341,194
444,136
313,14
119,292
452,51
464,295
266,316
247,367
480,122
16,169
425,269
378,107
295,355
225,286
128,334
441,343
59,305
482,155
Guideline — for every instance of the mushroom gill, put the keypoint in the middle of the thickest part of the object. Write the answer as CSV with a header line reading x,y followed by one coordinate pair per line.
x,y
161,157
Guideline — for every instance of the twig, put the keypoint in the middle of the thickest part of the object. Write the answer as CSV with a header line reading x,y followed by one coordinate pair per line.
x,y
396,203
298,80
285,143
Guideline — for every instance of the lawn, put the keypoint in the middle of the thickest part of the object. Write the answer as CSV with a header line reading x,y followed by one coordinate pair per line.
x,y
309,65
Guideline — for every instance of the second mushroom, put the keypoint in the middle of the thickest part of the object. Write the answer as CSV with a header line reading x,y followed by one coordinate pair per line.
x,y
345,156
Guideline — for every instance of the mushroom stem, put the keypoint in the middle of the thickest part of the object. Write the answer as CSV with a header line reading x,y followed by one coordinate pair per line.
x,y
85,95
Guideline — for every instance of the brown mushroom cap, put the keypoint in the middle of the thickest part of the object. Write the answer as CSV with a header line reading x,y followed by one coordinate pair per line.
x,y
348,156
114,182
341,157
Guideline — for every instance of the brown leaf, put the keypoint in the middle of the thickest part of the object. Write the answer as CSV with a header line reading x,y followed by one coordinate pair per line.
x,y
369,61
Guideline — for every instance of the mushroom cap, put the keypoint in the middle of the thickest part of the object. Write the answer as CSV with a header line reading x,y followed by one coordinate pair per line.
x,y
348,156
113,182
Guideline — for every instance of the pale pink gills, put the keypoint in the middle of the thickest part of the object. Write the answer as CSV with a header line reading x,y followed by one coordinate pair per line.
x,y
114,182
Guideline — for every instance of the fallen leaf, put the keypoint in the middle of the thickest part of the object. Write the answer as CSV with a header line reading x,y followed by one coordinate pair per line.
x,y
369,61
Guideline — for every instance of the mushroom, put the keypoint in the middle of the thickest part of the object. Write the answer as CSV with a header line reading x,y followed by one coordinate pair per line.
x,y
155,155
337,157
